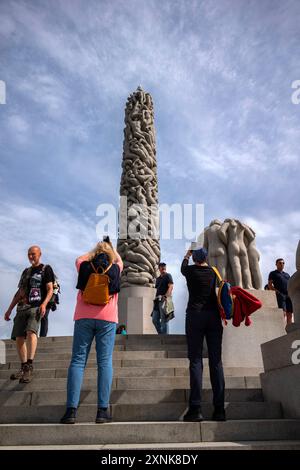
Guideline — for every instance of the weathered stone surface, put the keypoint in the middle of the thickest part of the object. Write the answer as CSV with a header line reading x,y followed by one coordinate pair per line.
x,y
139,245
294,288
242,345
231,248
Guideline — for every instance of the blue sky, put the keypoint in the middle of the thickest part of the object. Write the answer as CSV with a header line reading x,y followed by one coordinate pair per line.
x,y
220,74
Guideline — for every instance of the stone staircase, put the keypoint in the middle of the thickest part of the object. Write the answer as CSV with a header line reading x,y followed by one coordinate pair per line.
x,y
149,397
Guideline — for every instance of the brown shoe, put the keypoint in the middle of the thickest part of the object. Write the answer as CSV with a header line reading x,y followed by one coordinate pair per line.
x,y
27,374
18,375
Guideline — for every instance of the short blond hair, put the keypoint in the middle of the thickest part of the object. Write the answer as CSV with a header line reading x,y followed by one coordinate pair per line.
x,y
102,247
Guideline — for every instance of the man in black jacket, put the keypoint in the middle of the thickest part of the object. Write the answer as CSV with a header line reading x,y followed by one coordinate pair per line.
x,y
203,320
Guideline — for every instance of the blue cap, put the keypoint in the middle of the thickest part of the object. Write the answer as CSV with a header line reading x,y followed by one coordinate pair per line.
x,y
199,256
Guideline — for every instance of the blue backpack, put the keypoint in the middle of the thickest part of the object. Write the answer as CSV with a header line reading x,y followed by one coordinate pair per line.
x,y
225,298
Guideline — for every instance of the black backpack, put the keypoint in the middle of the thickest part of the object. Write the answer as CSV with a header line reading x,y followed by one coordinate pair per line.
x,y
54,301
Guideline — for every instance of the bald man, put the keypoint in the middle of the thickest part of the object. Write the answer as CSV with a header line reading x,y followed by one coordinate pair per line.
x,y
35,289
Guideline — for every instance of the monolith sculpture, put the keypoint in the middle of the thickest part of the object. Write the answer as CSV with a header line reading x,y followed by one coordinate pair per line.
x,y
138,242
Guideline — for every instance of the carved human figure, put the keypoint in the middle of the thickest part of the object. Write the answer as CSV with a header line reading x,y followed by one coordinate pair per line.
x,y
253,257
217,255
139,185
294,288
232,233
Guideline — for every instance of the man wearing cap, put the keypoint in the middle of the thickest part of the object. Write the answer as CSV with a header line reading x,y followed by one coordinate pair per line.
x,y
203,320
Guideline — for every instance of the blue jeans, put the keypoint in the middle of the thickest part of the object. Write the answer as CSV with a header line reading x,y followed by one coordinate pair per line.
x,y
85,330
158,319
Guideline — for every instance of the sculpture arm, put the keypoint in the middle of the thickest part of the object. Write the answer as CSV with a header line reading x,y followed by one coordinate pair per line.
x,y
222,233
249,233
205,241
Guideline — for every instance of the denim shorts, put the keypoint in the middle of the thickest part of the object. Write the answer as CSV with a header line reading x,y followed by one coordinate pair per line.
x,y
27,319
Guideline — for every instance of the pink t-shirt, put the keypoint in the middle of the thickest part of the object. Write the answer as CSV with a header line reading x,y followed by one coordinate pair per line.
x,y
108,312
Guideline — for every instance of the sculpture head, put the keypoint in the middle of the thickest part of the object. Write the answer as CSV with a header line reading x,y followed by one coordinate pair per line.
x,y
232,222
215,222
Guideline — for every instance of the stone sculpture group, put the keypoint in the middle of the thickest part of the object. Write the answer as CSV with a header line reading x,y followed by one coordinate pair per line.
x,y
231,248
231,244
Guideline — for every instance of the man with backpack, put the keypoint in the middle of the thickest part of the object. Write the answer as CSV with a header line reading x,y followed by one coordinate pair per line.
x,y
35,289
52,305
203,320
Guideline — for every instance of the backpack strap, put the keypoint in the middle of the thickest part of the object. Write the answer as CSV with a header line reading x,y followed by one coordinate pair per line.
x,y
103,270
217,274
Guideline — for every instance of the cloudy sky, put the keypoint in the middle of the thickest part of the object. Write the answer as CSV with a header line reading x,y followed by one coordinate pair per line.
x,y
220,74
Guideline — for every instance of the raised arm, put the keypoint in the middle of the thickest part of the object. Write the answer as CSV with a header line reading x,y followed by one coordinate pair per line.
x,y
185,263
222,233
205,240
249,233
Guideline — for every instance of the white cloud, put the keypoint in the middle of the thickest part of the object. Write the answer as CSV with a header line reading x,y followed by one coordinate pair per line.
x,y
18,125
228,134
8,26
61,236
45,90
276,237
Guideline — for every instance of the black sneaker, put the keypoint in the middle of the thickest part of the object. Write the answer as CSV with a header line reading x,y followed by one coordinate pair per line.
x,y
193,414
69,417
103,416
219,415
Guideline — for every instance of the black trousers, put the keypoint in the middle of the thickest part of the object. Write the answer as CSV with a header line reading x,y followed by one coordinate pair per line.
x,y
199,325
44,324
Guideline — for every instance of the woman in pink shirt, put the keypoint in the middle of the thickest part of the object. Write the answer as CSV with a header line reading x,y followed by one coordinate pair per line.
x,y
94,321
